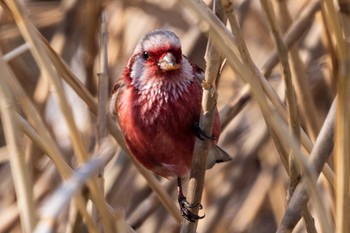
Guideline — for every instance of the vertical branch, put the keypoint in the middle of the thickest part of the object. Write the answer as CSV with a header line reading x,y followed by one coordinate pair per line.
x,y
235,28
19,171
102,94
206,122
103,82
342,129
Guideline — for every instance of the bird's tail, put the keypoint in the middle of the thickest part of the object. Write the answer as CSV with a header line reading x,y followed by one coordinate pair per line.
x,y
216,155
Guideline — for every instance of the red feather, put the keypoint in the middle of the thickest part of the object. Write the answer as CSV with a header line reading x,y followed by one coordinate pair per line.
x,y
156,109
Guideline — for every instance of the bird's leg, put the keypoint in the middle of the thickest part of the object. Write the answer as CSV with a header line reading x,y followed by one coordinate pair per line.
x,y
200,133
185,205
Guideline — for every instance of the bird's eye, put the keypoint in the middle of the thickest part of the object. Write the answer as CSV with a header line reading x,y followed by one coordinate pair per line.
x,y
145,55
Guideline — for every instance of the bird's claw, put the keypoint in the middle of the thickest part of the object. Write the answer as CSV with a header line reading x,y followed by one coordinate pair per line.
x,y
200,133
186,213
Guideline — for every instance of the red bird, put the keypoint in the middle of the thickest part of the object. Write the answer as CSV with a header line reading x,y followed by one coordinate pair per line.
x,y
158,104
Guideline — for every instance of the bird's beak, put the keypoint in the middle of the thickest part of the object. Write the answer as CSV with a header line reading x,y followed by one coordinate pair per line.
x,y
168,62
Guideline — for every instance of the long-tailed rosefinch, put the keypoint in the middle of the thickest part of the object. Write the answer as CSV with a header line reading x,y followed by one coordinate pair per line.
x,y
158,103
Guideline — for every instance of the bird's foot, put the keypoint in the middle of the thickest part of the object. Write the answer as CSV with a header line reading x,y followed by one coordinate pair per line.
x,y
185,207
200,133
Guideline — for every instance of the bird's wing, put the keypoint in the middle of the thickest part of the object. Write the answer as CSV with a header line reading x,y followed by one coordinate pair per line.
x,y
118,86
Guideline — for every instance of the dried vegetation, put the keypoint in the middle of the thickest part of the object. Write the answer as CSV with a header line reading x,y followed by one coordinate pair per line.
x,y
283,96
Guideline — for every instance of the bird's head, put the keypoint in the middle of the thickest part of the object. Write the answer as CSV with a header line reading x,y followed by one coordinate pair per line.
x,y
157,60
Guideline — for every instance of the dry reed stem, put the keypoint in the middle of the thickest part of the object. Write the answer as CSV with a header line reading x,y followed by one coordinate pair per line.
x,y
206,123
29,34
246,58
293,120
230,187
44,139
344,160
291,37
53,206
43,144
342,129
244,96
319,156
235,28
59,42
103,82
303,91
225,42
229,113
23,186
103,90
15,52
294,33
42,59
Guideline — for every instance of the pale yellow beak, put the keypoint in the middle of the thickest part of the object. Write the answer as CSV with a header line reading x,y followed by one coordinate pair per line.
x,y
168,62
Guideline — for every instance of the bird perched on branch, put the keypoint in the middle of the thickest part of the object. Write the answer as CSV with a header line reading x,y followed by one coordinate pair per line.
x,y
157,102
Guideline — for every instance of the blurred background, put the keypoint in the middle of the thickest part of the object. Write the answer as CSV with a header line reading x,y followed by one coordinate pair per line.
x,y
245,195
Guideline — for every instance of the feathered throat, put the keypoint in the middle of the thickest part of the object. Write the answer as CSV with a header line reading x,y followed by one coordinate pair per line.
x,y
157,90
156,96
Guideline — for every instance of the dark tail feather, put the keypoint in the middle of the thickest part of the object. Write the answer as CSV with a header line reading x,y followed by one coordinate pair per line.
x,y
216,155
